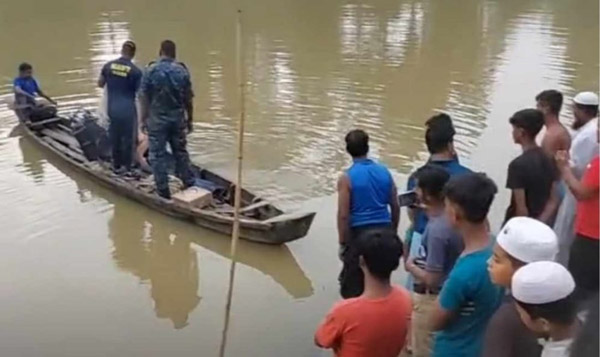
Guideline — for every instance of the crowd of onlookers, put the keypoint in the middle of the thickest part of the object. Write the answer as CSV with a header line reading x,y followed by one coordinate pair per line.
x,y
528,289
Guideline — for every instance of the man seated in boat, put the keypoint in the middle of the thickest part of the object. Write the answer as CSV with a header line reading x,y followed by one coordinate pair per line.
x,y
122,79
367,203
27,92
166,98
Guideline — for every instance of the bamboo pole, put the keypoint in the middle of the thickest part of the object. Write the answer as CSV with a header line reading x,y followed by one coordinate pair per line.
x,y
238,186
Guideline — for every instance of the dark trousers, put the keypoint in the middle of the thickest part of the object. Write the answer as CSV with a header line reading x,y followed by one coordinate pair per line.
x,y
121,138
161,132
351,278
583,265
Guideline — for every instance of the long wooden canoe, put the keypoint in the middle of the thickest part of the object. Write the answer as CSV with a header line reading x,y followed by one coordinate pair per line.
x,y
261,221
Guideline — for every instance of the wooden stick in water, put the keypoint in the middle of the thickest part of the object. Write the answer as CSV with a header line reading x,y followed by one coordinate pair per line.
x,y
238,187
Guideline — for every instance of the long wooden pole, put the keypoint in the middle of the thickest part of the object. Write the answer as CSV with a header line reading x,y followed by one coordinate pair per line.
x,y
235,234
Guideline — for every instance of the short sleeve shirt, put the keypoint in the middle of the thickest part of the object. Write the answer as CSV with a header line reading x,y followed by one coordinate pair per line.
x,y
469,293
123,80
167,86
440,247
361,327
534,172
28,85
453,167
586,222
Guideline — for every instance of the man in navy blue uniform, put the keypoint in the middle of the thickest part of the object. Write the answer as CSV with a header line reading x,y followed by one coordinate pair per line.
x,y
122,79
167,111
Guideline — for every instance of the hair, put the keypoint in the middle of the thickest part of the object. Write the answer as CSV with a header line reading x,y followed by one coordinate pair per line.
x,y
473,193
586,341
128,48
431,179
552,98
167,48
357,143
561,312
591,110
25,67
381,251
439,133
530,120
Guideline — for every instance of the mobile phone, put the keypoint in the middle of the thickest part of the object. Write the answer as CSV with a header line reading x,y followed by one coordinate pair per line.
x,y
407,199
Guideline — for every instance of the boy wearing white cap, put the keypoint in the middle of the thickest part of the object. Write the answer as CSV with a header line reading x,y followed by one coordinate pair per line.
x,y
468,298
543,293
521,241
584,148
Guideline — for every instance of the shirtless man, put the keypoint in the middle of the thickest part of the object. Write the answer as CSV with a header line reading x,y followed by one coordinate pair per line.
x,y
557,137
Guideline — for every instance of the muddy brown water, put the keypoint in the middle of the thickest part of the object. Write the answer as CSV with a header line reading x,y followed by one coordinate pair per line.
x,y
85,272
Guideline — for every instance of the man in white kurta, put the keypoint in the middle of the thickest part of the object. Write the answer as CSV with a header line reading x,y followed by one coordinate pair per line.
x,y
584,148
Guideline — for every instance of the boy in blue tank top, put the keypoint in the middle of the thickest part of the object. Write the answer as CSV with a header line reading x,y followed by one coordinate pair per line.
x,y
366,203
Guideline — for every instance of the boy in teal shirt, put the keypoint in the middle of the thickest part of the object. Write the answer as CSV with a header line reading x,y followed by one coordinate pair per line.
x,y
468,298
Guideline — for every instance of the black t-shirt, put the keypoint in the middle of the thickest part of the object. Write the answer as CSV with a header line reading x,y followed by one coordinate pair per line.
x,y
535,173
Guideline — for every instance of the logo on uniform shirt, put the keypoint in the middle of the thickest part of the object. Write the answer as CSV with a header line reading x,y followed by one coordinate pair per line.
x,y
120,70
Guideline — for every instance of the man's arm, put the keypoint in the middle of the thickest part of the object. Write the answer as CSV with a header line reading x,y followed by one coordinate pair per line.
x,y
449,302
395,208
144,112
343,213
580,190
20,91
430,278
43,95
551,206
520,203
440,317
329,332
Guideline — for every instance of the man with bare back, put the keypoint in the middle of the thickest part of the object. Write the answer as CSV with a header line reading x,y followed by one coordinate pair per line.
x,y
557,137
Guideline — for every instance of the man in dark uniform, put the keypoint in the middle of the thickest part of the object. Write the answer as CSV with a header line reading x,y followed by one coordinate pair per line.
x,y
122,79
166,98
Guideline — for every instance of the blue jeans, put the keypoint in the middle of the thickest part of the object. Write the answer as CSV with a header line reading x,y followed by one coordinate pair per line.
x,y
161,132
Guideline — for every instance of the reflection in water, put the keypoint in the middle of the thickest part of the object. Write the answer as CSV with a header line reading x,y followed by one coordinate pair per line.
x,y
159,258
382,65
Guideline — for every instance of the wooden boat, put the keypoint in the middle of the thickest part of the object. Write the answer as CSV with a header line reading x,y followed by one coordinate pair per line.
x,y
261,221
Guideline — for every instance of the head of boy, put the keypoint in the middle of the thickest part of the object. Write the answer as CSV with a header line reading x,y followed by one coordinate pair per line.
x,y
357,143
468,198
543,293
526,124
431,180
585,108
549,102
25,70
439,134
521,241
380,253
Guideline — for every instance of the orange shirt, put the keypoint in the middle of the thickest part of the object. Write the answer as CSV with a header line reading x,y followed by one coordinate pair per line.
x,y
362,327
586,222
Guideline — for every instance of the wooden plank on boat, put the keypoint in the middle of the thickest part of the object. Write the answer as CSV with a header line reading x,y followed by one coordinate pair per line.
x,y
63,138
65,128
40,124
64,149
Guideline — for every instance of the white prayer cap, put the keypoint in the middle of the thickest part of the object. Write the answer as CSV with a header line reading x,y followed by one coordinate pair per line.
x,y
586,98
542,283
528,240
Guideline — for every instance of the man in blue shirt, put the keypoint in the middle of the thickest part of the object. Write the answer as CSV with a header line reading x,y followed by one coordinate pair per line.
x,y
366,202
26,90
166,99
468,298
439,138
122,79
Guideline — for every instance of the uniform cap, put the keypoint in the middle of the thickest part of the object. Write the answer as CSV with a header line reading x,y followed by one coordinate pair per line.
x,y
528,240
586,98
542,283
